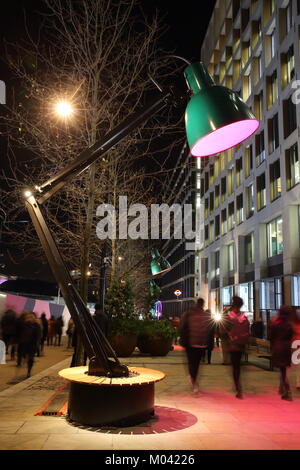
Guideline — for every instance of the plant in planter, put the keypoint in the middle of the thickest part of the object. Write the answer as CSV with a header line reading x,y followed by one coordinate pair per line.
x,y
123,326
156,337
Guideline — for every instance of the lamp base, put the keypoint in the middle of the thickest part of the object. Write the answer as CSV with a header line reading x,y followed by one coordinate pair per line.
x,y
102,401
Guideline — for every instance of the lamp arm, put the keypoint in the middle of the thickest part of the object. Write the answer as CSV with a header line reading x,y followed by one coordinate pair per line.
x,y
95,343
88,156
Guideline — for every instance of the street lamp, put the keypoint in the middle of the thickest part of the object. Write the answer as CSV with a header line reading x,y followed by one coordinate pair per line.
x,y
64,109
216,119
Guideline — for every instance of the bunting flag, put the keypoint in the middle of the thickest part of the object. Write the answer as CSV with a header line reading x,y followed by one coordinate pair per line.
x,y
56,310
29,305
41,306
15,302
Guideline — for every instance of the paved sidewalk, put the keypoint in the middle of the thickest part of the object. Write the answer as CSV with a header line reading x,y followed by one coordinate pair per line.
x,y
212,420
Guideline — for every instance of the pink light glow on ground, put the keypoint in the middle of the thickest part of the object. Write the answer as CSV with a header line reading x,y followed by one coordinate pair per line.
x,y
224,138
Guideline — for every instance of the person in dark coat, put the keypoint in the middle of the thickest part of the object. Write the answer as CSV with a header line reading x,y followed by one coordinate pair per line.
x,y
44,323
58,326
101,319
195,331
281,335
29,338
238,329
9,331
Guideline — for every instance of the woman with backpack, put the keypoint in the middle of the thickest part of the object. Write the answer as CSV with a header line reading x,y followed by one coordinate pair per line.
x,y
238,330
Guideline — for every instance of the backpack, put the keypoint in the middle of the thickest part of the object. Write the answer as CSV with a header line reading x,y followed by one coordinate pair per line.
x,y
240,331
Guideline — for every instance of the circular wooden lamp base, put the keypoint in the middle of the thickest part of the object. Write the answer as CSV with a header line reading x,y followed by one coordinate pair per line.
x,y
120,401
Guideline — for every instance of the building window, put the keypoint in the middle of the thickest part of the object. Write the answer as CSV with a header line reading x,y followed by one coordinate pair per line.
x,y
272,89
249,201
238,171
259,106
296,290
217,226
211,201
206,212
273,133
271,294
249,248
206,181
231,257
217,196
260,148
211,232
230,181
287,67
223,189
222,161
231,215
275,238
239,209
289,116
227,293
224,221
211,174
261,191
246,292
248,160
275,180
288,17
292,167
206,235
290,62
217,263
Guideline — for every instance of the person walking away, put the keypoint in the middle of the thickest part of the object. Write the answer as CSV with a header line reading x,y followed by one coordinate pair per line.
x,y
9,331
58,326
281,336
44,323
194,337
50,335
30,335
239,335
101,319
70,332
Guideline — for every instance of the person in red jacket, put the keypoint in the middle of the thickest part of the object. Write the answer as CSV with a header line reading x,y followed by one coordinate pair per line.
x,y
238,334
281,335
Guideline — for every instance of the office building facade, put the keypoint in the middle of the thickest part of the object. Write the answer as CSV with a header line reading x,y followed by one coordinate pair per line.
x,y
251,194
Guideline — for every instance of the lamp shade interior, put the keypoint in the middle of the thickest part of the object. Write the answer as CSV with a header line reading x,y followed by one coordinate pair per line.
x,y
224,138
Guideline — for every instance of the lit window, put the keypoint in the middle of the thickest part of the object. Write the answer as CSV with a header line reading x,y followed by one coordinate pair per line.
x,y
292,167
261,191
275,180
275,237
249,201
231,257
249,248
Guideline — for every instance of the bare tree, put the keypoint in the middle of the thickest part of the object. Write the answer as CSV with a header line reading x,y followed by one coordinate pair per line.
x,y
95,53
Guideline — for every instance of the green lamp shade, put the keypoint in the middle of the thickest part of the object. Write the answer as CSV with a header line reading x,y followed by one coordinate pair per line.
x,y
159,264
155,290
216,118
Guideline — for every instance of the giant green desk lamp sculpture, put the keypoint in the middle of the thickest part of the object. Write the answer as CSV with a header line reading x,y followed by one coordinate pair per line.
x,y
216,119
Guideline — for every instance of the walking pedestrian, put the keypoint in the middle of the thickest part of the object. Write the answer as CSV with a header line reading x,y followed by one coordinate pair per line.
x,y
9,331
44,323
70,332
239,334
50,335
58,326
30,335
194,337
281,336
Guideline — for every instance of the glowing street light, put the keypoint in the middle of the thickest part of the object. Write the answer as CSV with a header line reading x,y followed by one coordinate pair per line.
x,y
64,109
